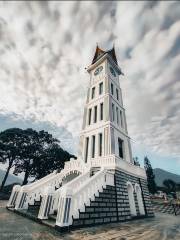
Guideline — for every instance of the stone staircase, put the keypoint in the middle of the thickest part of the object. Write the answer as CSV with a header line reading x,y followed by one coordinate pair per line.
x,y
88,199
166,208
33,209
103,209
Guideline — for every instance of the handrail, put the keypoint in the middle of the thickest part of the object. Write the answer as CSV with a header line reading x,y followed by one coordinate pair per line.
x,y
34,190
113,162
75,182
72,200
68,167
45,177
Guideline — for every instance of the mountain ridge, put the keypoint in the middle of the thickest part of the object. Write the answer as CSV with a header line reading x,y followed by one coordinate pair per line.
x,y
161,175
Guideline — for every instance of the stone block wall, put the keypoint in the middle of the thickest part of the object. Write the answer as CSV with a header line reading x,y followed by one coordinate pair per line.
x,y
112,205
123,208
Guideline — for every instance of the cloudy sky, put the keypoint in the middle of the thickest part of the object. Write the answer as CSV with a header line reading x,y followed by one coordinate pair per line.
x,y
45,47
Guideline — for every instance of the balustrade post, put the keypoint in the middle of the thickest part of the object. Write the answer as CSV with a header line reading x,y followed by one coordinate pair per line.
x,y
14,195
64,217
46,203
21,199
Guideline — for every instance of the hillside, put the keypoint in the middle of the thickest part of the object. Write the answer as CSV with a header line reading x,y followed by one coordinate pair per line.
x,y
11,178
161,175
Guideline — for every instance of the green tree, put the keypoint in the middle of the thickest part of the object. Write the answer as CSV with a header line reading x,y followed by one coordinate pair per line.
x,y
10,141
40,155
150,176
53,158
170,185
34,153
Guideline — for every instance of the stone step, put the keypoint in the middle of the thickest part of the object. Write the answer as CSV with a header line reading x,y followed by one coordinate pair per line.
x,y
108,187
94,221
34,205
52,217
102,209
49,222
102,199
90,209
102,204
33,209
169,209
38,203
109,191
106,195
96,215
33,212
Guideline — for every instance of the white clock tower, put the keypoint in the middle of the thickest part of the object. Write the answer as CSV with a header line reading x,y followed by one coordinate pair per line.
x,y
103,185
104,130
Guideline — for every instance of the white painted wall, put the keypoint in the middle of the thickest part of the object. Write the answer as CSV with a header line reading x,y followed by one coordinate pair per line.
x,y
139,199
130,190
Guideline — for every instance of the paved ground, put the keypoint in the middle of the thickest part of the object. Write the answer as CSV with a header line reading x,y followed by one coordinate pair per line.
x,y
162,227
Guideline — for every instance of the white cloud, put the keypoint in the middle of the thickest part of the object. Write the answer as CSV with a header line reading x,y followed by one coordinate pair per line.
x,y
45,47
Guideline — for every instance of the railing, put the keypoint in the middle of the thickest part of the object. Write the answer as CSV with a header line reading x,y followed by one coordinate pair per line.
x,y
113,162
35,190
72,200
74,184
14,195
50,198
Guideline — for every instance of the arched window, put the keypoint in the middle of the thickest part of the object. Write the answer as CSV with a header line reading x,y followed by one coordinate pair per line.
x,y
130,190
139,199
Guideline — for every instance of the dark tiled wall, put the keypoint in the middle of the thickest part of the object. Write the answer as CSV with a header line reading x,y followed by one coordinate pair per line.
x,y
112,205
121,179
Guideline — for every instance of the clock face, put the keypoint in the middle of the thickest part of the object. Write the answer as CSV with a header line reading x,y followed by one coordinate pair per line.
x,y
112,71
98,70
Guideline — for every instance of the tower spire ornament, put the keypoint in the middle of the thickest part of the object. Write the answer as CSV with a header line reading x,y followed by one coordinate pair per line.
x,y
103,185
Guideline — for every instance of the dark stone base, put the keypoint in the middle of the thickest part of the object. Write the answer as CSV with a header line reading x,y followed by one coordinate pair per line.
x,y
123,208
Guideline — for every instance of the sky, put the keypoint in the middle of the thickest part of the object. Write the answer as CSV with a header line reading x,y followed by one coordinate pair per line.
x,y
45,47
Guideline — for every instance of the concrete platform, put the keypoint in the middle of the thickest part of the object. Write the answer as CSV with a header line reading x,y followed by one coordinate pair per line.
x,y
162,227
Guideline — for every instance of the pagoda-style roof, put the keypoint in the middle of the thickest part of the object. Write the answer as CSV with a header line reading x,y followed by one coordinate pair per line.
x,y
99,53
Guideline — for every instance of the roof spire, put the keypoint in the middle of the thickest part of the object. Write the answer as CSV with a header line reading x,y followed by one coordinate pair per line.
x,y
99,53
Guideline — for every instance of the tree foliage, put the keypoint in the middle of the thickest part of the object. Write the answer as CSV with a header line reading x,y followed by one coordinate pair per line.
x,y
10,143
34,153
170,185
150,176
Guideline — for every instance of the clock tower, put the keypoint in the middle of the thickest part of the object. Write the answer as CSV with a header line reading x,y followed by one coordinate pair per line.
x,y
104,131
103,185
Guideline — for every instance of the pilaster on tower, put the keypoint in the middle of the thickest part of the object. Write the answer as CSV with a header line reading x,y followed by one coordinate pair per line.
x,y
104,131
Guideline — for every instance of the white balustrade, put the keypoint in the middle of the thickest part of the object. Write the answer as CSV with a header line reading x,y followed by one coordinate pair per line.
x,y
14,195
73,184
21,202
45,208
113,162
72,200
28,193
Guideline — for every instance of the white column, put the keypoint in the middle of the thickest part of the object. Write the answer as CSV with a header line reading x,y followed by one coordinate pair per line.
x,y
14,195
21,199
64,208
90,148
96,145
46,203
